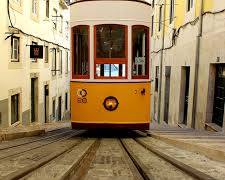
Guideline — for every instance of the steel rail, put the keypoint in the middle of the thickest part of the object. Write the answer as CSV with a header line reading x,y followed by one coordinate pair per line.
x,y
142,169
36,140
180,165
45,144
80,168
29,169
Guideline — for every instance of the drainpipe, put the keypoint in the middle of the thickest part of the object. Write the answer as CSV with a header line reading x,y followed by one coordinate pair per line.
x,y
161,61
197,58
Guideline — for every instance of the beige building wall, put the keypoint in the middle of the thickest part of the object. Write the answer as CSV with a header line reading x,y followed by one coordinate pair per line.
x,y
16,76
180,52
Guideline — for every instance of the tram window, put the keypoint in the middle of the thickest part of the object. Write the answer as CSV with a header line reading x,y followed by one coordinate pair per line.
x,y
111,51
81,51
110,70
110,41
140,54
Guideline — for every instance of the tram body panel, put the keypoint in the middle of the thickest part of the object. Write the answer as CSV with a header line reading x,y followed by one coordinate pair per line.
x,y
98,12
110,57
133,107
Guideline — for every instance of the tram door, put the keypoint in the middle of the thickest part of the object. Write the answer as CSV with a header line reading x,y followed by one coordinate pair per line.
x,y
219,97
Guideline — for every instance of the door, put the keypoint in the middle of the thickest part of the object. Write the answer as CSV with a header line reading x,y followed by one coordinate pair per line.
x,y
60,108
34,98
167,93
46,102
185,78
219,97
14,108
186,100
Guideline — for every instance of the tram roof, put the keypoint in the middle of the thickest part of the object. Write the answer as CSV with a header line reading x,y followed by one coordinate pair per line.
x,y
140,1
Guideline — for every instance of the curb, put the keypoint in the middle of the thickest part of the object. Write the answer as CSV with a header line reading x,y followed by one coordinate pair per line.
x,y
5,136
16,135
213,154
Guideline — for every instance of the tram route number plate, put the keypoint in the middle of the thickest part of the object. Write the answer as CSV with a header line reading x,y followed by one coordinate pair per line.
x,y
82,96
82,100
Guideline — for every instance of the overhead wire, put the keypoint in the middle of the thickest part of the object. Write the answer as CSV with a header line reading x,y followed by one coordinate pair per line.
x,y
27,34
177,32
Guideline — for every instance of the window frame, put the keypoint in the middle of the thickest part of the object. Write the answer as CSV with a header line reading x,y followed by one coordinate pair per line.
x,y
35,7
190,5
60,62
46,54
73,56
172,10
152,26
12,49
54,62
47,8
67,63
55,18
111,60
147,52
160,18
61,24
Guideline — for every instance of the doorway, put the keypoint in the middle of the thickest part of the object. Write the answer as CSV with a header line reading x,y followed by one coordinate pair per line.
x,y
60,108
185,81
219,95
46,102
14,108
34,99
167,93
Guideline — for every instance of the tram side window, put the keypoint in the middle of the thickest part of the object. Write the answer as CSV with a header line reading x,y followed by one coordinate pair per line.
x,y
140,54
81,51
110,51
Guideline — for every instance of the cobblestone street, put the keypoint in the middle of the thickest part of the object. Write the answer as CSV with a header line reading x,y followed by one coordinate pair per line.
x,y
72,154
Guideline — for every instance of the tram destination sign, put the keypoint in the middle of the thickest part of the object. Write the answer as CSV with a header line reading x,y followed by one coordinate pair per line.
x,y
36,51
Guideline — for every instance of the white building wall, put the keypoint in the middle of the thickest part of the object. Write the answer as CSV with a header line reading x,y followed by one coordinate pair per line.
x,y
16,76
183,53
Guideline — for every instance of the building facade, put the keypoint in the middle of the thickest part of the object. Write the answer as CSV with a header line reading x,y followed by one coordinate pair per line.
x,y
34,90
188,56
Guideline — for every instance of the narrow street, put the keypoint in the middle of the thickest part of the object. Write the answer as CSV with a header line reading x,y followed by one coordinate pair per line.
x,y
73,154
112,89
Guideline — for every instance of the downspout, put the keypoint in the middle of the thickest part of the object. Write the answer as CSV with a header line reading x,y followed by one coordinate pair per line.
x,y
197,58
161,61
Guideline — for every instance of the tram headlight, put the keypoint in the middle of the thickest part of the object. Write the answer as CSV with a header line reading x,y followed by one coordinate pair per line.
x,y
111,103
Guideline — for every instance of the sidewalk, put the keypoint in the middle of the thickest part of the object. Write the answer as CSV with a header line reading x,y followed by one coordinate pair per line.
x,y
31,130
210,144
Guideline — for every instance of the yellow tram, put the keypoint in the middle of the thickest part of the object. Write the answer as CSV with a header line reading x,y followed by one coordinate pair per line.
x,y
110,62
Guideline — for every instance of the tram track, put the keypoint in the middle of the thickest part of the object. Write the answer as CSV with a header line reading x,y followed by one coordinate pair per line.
x,y
106,161
29,140
12,151
94,157
17,166
191,164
